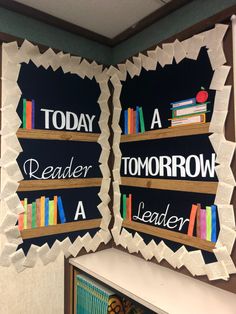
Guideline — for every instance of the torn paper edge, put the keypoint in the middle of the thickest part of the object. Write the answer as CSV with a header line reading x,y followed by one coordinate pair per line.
x,y
135,244
12,58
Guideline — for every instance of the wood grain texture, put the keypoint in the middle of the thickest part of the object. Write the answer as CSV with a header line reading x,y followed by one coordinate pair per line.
x,y
40,185
60,228
186,130
205,187
170,235
57,135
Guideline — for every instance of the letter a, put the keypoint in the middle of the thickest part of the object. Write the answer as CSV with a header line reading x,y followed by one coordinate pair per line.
x,y
80,211
156,119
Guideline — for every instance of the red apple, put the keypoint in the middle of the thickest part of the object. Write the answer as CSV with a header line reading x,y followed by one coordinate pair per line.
x,y
202,95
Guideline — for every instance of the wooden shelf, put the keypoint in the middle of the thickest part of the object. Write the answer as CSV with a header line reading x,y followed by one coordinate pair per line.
x,y
170,235
57,184
186,130
57,135
205,187
60,228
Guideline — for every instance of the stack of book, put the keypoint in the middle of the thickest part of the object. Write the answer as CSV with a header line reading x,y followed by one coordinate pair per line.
x,y
28,117
188,111
204,221
40,213
134,121
127,207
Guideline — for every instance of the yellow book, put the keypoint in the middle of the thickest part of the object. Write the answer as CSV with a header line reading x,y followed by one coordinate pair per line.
x,y
51,212
42,211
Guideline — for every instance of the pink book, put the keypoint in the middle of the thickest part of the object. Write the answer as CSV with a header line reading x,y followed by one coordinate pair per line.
x,y
203,224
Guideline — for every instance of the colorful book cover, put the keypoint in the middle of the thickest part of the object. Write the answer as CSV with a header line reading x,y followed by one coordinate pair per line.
x,y
34,215
208,223
129,120
184,102
42,211
61,210
24,114
21,221
203,223
141,118
38,213
55,210
46,211
192,219
28,115
29,216
130,207
213,223
198,221
137,119
25,213
126,121
124,206
51,212
33,114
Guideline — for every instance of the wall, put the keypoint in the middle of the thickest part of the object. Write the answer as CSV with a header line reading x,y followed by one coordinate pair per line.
x,y
172,24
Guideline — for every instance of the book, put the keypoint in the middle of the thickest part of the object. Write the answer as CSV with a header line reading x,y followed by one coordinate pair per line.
x,y
130,207
137,119
28,115
134,121
42,211
141,119
192,219
198,221
38,213
201,118
203,223
51,213
185,102
33,114
126,121
55,210
208,223
129,120
21,221
34,217
124,206
61,210
213,223
29,216
46,223
200,108
24,114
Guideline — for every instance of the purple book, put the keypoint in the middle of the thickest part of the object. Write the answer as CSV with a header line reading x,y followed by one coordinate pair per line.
x,y
203,223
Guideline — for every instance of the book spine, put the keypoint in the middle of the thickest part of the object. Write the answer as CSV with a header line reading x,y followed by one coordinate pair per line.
x,y
137,119
213,223
198,221
24,114
38,213
129,120
203,223
34,217
42,211
124,207
28,115
134,121
21,221
29,216
126,122
46,211
51,212
55,210
130,207
192,219
208,223
33,114
61,210
25,213
142,125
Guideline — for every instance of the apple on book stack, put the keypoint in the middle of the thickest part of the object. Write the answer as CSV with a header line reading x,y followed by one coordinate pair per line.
x,y
190,111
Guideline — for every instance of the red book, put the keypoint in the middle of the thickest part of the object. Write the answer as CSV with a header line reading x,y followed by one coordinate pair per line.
x,y
198,220
192,219
38,213
21,221
28,115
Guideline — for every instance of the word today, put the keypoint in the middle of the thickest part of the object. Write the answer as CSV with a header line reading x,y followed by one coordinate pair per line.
x,y
69,120
176,165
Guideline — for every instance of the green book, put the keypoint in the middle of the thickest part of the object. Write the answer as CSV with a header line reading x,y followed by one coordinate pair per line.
x,y
34,215
51,213
208,223
24,114
25,213
124,206
142,126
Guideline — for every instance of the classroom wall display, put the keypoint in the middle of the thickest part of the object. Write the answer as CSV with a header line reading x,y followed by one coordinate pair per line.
x,y
54,155
173,182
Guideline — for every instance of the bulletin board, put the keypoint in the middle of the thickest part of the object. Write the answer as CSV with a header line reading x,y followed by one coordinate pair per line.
x,y
54,155
173,180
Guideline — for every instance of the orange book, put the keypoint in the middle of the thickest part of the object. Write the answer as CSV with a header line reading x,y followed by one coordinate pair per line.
x,y
28,115
55,210
21,221
129,120
38,213
192,219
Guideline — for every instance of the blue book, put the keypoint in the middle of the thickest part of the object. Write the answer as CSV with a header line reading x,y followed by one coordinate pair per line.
x,y
184,102
46,211
126,122
213,223
137,120
61,210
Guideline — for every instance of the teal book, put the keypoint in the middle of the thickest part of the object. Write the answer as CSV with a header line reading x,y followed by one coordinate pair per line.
x,y
46,211
124,201
141,119
34,215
